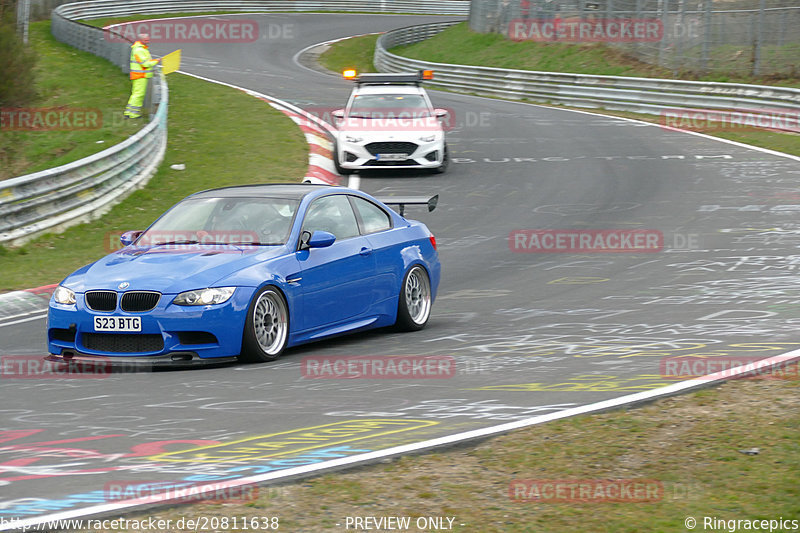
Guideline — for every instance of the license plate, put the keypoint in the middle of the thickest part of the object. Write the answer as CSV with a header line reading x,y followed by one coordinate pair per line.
x,y
392,157
117,323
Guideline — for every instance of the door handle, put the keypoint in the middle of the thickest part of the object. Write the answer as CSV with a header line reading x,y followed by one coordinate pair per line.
x,y
365,251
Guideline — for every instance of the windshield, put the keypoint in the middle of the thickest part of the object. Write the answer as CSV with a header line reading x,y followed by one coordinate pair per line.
x,y
243,221
389,106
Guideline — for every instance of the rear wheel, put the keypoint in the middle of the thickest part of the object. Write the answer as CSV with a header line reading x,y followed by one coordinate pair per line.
x,y
414,306
266,330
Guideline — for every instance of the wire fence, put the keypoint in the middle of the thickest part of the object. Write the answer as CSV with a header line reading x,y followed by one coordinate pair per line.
x,y
738,37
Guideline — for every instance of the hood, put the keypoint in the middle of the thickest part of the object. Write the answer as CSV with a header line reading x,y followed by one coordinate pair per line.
x,y
168,269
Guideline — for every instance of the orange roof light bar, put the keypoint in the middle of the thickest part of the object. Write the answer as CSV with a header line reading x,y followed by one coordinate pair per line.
x,y
427,74
349,74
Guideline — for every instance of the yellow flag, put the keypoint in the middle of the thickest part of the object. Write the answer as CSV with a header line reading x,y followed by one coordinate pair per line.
x,y
171,62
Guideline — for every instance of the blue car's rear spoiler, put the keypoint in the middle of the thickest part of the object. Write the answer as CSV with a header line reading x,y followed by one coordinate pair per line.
x,y
403,201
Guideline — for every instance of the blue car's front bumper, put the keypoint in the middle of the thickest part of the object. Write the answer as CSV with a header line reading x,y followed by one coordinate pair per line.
x,y
169,333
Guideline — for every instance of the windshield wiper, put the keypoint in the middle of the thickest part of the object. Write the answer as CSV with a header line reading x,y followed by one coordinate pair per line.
x,y
235,243
216,243
175,242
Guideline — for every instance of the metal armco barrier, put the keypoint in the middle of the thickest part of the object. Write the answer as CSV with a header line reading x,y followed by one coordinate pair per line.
x,y
116,8
53,199
640,95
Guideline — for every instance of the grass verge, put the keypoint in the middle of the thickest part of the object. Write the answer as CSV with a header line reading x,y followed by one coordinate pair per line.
x,y
361,49
67,78
689,446
224,137
355,52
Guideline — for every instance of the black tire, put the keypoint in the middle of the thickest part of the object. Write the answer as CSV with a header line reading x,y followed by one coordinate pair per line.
x,y
336,165
414,305
266,330
445,162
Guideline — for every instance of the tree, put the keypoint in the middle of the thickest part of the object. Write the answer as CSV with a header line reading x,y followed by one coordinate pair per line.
x,y
17,86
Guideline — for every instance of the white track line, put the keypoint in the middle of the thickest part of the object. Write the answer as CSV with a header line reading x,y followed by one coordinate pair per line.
x,y
296,57
637,121
29,319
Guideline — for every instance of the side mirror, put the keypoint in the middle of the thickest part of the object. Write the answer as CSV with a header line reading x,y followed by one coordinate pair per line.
x,y
128,237
338,113
319,239
440,113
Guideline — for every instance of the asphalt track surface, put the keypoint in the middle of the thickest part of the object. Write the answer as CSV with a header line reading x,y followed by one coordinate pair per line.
x,y
530,333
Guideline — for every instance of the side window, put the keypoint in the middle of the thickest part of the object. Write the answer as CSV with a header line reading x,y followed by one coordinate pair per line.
x,y
373,217
332,214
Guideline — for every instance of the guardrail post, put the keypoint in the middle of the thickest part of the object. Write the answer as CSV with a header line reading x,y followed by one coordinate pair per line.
x,y
664,23
759,32
23,18
706,38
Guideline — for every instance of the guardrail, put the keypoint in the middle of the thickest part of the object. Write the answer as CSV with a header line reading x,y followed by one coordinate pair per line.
x,y
115,8
761,103
53,199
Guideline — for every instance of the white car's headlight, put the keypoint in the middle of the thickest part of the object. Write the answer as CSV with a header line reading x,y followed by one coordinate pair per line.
x,y
63,295
428,138
214,295
353,139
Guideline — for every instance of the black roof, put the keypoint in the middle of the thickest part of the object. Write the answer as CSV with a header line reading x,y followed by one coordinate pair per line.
x,y
279,190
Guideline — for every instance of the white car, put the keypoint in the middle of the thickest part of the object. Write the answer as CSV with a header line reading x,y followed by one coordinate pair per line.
x,y
389,123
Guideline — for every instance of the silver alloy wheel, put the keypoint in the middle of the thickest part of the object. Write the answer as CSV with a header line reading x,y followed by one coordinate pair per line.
x,y
418,295
269,322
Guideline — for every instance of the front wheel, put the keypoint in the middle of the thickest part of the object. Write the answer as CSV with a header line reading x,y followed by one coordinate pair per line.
x,y
336,165
266,330
441,169
414,307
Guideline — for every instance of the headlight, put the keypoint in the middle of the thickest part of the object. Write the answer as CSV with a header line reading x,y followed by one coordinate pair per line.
x,y
353,139
63,295
212,296
429,138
